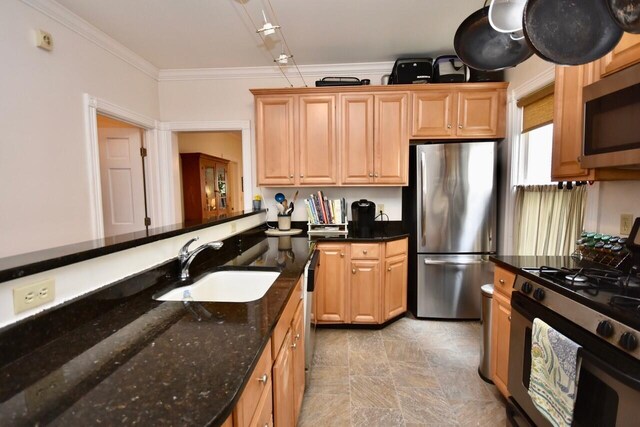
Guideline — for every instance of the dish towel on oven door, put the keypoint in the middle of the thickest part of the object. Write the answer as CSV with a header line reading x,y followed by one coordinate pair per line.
x,y
555,367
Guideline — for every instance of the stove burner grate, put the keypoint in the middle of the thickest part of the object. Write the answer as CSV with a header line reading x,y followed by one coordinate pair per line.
x,y
626,302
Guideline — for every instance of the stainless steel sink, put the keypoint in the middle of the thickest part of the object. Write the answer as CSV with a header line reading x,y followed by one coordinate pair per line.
x,y
225,286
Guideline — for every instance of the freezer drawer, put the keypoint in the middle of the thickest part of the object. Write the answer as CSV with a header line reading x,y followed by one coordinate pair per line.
x,y
449,285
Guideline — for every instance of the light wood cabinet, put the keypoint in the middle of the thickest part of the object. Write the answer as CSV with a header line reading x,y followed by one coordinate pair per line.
x,y
275,129
254,404
500,330
374,139
367,294
317,140
626,53
364,286
297,327
459,113
568,128
503,281
283,385
331,287
205,186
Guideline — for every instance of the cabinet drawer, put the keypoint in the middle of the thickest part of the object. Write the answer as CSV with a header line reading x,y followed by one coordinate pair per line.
x,y
365,251
259,382
397,247
284,323
503,281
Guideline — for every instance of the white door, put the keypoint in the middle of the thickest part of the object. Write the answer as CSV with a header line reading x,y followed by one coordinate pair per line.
x,y
121,177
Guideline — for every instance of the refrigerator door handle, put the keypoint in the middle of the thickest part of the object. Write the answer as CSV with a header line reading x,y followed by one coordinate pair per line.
x,y
438,262
423,204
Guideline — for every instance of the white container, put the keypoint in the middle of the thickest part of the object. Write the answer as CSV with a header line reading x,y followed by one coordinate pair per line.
x,y
284,222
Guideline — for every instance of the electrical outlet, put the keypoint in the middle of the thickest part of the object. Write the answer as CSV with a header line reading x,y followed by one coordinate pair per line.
x,y
233,227
32,295
381,207
44,40
626,222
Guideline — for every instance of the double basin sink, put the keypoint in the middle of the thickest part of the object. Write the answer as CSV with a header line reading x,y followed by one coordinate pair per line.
x,y
225,286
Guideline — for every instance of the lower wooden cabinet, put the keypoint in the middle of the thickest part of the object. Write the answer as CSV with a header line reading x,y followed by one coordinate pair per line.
x,y
297,328
501,328
283,388
255,402
351,286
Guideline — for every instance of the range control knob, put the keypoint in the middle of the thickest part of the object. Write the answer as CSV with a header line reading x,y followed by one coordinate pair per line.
x,y
604,329
628,341
538,294
526,287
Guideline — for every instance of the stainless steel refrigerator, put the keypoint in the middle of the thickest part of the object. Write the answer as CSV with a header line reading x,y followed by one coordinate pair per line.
x,y
450,207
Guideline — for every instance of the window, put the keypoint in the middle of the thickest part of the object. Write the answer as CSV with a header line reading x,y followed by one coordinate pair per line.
x,y
534,156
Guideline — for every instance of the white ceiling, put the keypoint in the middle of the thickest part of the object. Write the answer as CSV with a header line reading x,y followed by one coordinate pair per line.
x,y
179,34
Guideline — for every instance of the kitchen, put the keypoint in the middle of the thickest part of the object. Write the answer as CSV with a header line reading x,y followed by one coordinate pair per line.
x,y
174,98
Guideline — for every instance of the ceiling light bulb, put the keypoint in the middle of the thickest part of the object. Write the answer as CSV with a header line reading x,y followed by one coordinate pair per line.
x,y
267,29
283,59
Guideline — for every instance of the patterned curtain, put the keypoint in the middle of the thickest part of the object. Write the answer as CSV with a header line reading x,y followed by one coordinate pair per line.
x,y
548,220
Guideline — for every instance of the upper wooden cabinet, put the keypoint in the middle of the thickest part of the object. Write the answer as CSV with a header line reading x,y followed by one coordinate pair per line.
x,y
374,141
205,186
359,135
296,140
626,53
459,113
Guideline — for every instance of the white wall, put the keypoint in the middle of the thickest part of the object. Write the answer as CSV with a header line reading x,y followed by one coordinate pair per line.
x,y
44,180
606,201
230,99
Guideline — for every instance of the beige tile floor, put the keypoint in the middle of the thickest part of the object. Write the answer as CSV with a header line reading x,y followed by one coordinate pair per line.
x,y
411,373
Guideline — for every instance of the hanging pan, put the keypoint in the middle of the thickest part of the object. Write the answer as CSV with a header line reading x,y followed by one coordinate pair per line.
x,y
481,47
570,32
626,13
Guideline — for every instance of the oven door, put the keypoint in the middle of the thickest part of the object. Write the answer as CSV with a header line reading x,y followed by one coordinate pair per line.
x,y
609,383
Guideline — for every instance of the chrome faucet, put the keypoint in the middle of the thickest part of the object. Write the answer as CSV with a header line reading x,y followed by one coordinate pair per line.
x,y
185,257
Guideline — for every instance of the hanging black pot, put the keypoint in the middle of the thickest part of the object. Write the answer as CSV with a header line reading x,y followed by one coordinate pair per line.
x,y
626,13
570,32
481,47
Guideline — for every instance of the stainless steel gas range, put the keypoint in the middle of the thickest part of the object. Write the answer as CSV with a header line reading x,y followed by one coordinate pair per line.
x,y
596,307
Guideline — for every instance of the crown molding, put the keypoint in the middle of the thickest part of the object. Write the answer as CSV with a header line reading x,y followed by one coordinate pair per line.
x,y
64,16
274,71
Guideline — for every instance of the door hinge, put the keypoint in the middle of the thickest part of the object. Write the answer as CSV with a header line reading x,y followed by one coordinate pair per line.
x,y
147,221
143,152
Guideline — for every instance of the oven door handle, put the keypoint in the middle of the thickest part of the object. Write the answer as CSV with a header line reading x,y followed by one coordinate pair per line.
x,y
623,377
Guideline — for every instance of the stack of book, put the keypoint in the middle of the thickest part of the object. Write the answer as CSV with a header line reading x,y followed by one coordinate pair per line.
x,y
321,210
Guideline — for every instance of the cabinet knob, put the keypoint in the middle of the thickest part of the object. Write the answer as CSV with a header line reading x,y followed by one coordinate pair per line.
x,y
370,175
301,176
501,281
509,318
263,379
297,337
459,126
353,271
389,269
294,346
375,175
364,251
342,254
290,176
449,126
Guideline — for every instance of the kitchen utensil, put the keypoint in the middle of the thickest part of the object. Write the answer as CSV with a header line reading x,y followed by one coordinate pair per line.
x,y
295,196
285,204
279,197
505,16
483,48
568,32
626,13
290,210
280,208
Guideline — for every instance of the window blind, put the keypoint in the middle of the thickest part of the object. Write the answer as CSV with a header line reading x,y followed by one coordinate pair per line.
x,y
537,108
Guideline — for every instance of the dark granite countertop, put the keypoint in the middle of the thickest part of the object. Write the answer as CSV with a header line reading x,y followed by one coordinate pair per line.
x,y
515,263
21,265
117,356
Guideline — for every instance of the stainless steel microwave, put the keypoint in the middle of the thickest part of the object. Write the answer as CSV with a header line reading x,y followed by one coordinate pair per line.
x,y
612,121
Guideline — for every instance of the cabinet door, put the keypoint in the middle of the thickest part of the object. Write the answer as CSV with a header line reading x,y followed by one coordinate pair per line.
x,y
331,287
356,138
364,287
297,326
395,286
433,114
500,330
391,139
567,124
481,113
626,53
317,139
283,399
275,140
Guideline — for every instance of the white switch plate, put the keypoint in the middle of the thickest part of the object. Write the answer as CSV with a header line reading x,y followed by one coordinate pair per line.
x,y
380,207
32,295
626,223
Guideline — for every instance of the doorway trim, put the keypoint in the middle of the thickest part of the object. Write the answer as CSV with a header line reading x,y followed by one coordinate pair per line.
x,y
169,152
92,107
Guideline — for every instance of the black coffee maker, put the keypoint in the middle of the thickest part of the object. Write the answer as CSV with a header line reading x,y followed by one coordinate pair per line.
x,y
363,213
